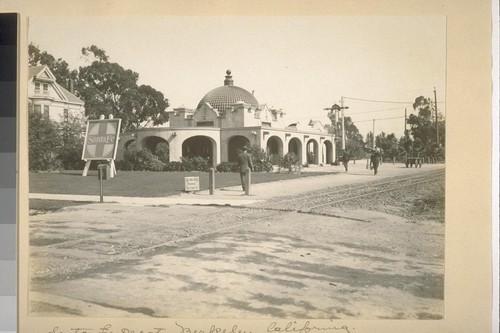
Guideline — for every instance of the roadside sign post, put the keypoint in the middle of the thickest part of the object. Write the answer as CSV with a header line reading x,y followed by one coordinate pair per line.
x,y
101,143
101,170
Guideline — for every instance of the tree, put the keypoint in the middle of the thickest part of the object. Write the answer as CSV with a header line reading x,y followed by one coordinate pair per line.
x,y
389,145
43,141
108,88
150,107
58,67
354,140
423,129
72,131
369,140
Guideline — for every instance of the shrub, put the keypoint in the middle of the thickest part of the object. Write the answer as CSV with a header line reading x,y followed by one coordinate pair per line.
x,y
263,166
141,160
289,162
227,167
196,163
310,157
260,160
189,164
162,152
72,133
44,143
174,166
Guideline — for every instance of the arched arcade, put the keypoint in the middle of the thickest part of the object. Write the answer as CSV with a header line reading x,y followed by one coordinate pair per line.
x,y
200,146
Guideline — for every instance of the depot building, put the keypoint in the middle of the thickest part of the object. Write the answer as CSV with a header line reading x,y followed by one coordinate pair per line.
x,y
228,118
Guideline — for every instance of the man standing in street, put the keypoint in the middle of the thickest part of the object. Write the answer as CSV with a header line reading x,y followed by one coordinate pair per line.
x,y
374,161
345,158
244,162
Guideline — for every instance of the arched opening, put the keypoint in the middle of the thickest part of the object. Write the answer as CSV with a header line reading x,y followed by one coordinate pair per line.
x,y
312,152
327,152
295,146
201,146
274,149
234,147
158,146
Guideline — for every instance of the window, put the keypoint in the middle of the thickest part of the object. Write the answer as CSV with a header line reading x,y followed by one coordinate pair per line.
x,y
45,88
37,87
66,115
37,108
46,111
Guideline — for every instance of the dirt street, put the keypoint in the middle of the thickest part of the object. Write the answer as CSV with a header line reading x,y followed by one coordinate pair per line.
x,y
226,262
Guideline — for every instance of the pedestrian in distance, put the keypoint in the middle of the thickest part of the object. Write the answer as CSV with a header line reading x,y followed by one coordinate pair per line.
x,y
345,159
375,161
244,163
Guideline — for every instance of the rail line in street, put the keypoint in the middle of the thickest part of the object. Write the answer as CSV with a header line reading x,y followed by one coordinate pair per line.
x,y
313,203
309,202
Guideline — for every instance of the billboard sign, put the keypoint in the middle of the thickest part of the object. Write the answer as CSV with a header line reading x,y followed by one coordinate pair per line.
x,y
101,139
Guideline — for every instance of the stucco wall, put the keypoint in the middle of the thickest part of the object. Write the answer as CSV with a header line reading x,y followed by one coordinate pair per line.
x,y
220,138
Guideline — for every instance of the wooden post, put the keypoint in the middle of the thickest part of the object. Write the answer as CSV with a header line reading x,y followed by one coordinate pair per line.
x,y
211,181
248,180
112,167
86,169
101,169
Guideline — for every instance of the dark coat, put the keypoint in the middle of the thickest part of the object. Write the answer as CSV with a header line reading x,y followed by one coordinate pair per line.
x,y
346,157
245,161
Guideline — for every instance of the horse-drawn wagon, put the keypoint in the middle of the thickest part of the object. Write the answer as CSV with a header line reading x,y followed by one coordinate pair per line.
x,y
411,161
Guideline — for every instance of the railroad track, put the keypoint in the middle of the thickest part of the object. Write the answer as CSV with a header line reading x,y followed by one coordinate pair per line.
x,y
316,203
309,202
328,198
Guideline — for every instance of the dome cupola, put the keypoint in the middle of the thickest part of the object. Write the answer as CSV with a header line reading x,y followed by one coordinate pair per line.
x,y
222,97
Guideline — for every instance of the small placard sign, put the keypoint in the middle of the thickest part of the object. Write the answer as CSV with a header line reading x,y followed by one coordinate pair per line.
x,y
191,184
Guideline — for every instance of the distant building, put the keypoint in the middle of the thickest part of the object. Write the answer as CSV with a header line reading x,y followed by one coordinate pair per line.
x,y
227,118
49,98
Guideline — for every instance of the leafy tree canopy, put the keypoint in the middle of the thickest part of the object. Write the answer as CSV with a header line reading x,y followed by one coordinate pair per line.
x,y
423,128
354,140
108,88
58,67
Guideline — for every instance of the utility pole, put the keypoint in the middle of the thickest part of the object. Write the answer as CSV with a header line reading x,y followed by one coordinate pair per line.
x,y
334,117
373,135
335,108
405,124
343,129
436,110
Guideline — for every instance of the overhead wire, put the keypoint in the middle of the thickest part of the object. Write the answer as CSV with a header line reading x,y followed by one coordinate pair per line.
x,y
377,101
362,121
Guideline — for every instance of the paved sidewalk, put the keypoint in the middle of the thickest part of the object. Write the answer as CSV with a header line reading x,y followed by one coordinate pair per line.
x,y
234,196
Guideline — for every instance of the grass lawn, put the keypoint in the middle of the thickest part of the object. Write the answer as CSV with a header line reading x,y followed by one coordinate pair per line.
x,y
141,183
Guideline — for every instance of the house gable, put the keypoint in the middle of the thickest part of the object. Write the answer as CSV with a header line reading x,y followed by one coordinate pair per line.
x,y
47,96
206,116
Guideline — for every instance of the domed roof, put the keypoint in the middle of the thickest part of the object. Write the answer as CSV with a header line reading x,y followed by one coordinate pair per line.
x,y
226,95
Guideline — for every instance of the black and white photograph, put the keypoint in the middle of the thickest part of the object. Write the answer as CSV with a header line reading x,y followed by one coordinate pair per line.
x,y
251,164
207,173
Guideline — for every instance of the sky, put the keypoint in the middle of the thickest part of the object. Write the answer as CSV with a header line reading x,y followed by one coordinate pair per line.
x,y
378,65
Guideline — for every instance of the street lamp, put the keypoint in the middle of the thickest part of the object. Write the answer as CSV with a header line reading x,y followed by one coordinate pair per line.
x,y
336,108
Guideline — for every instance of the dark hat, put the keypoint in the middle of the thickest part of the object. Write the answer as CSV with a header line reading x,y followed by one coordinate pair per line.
x,y
244,148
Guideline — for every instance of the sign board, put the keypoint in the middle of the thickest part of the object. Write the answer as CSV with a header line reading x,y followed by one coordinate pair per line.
x,y
101,139
191,184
